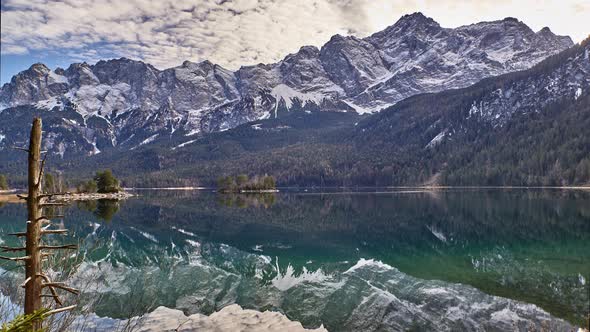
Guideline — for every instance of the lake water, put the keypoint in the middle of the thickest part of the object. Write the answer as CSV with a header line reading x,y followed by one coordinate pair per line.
x,y
403,260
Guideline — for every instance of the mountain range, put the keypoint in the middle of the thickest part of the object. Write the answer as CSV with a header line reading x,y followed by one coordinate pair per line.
x,y
355,111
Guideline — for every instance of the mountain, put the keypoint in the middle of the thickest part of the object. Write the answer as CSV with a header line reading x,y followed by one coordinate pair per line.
x,y
124,105
526,128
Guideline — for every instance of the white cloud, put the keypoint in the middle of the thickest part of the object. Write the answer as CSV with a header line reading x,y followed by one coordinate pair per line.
x,y
240,32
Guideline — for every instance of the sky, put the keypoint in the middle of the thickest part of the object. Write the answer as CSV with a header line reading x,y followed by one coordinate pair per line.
x,y
233,33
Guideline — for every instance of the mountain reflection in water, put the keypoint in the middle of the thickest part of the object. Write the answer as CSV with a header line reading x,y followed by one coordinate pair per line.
x,y
457,259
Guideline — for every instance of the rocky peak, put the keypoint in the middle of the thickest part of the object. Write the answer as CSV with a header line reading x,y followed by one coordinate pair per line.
x,y
305,52
81,74
416,20
35,84
415,23
351,63
546,36
124,70
38,69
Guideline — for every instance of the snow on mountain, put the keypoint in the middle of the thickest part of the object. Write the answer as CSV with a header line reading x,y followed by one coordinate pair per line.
x,y
567,81
123,103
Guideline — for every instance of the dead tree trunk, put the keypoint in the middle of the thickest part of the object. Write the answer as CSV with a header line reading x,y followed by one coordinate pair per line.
x,y
33,264
36,280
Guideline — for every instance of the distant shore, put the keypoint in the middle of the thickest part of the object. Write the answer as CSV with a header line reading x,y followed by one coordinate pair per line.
x,y
67,197
168,188
10,196
371,187
263,191
491,187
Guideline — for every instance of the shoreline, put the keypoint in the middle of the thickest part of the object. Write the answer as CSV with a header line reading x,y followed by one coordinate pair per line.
x,y
167,188
69,197
11,197
368,187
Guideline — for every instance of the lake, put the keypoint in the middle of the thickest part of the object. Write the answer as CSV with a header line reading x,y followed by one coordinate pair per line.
x,y
456,259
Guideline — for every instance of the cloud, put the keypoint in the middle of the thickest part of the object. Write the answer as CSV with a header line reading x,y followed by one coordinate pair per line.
x,y
231,32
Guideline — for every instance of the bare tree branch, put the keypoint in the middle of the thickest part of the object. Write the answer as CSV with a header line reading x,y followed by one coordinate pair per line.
x,y
61,285
53,204
53,292
54,194
57,216
65,246
38,184
19,148
24,258
54,231
26,281
12,249
55,311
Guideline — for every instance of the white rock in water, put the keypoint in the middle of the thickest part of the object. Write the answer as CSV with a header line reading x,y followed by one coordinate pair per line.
x,y
231,318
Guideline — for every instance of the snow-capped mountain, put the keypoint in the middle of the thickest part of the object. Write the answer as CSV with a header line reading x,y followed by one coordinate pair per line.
x,y
125,103
492,104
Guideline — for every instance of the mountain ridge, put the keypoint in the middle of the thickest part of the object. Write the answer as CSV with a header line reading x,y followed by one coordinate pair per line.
x,y
524,128
125,104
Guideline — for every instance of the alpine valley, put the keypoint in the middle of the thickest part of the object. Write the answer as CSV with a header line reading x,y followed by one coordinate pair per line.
x,y
492,103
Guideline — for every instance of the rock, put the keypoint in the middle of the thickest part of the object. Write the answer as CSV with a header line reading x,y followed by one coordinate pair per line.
x,y
231,318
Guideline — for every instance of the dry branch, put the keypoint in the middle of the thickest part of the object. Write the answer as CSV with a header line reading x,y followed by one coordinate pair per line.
x,y
52,204
57,216
53,292
54,231
55,311
19,148
61,285
65,246
12,249
43,232
24,258
54,194
38,184
26,281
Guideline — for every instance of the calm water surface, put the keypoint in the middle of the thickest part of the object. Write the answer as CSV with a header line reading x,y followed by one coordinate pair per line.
x,y
458,259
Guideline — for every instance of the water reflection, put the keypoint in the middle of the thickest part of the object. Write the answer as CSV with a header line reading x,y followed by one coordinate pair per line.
x,y
198,251
255,200
104,209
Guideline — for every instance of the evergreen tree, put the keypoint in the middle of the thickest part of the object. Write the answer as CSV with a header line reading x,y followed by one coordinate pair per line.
x,y
49,185
241,180
3,182
106,182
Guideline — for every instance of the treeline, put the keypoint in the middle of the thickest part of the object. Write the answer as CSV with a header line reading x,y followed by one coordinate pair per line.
x,y
3,182
243,183
56,182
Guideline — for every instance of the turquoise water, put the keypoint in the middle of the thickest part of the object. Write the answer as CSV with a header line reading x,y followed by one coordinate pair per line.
x,y
456,259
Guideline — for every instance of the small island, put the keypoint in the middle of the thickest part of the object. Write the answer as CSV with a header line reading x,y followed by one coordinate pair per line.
x,y
243,184
104,185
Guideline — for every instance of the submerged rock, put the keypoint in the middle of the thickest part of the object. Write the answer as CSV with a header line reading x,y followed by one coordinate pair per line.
x,y
231,318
